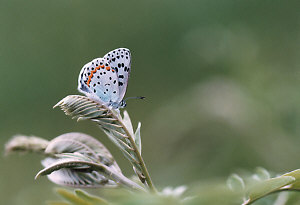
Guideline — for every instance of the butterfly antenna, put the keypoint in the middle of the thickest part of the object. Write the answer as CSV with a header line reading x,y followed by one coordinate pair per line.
x,y
137,97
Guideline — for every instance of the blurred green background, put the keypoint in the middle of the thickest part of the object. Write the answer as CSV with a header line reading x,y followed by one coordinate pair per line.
x,y
221,79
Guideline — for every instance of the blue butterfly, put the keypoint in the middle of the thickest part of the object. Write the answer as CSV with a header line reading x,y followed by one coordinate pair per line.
x,y
106,79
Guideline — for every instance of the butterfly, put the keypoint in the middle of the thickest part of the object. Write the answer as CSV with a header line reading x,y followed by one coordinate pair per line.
x,y
106,79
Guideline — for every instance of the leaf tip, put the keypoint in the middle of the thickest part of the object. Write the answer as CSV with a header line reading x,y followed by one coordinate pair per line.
x,y
37,176
57,104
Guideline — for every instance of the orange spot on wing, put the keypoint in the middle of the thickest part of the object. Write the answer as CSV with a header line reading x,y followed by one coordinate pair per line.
x,y
108,68
102,66
92,74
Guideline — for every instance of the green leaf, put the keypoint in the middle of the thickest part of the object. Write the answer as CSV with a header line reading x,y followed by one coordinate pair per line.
x,y
296,175
87,197
57,203
266,187
137,139
71,197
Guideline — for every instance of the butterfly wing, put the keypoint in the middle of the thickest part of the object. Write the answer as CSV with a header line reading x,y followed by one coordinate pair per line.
x,y
99,81
120,60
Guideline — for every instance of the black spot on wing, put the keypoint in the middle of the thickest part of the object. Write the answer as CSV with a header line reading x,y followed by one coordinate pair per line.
x,y
84,88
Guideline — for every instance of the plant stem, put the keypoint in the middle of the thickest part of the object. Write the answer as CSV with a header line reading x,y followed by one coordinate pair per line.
x,y
140,158
124,180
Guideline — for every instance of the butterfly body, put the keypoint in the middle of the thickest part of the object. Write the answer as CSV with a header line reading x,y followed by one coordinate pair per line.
x,y
106,79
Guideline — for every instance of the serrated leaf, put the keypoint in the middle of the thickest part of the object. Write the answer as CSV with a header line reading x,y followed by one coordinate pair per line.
x,y
87,197
269,186
235,183
137,138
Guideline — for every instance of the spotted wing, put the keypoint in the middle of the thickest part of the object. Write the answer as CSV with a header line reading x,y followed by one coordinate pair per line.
x,y
120,60
99,81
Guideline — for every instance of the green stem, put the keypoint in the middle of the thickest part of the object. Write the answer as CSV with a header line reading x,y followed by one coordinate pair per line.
x,y
140,158
121,179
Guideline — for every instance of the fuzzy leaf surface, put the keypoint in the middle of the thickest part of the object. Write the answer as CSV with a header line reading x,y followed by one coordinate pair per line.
x,y
118,129
80,143
81,147
73,169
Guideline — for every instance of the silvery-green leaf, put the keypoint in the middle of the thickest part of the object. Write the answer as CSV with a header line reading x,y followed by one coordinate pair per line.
x,y
81,106
127,122
21,143
77,170
121,144
68,148
82,143
137,138
118,129
128,153
75,177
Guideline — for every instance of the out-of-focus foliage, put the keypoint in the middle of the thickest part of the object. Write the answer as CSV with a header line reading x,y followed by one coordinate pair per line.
x,y
254,189
221,80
